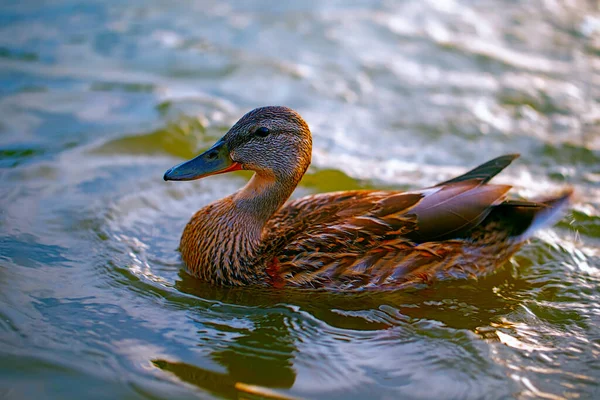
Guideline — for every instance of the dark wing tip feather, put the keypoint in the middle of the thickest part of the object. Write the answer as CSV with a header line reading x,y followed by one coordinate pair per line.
x,y
485,171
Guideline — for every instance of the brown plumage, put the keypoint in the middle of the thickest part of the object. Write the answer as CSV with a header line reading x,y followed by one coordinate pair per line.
x,y
460,228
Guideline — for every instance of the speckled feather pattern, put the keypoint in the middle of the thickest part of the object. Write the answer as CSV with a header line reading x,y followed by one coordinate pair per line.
x,y
354,240
223,259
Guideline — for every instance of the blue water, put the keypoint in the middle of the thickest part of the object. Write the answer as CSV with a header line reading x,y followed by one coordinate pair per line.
x,y
98,99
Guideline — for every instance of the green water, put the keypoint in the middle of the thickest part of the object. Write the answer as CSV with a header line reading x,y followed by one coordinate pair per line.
x,y
98,99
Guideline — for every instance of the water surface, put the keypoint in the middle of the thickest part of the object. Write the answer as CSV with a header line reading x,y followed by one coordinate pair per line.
x,y
98,99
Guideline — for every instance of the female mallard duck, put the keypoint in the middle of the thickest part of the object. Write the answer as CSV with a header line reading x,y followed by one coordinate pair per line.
x,y
460,228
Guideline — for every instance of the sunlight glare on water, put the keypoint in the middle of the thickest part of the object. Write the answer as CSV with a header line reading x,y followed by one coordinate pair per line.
x,y
99,98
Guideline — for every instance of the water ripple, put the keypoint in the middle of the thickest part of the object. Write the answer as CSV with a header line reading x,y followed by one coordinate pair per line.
x,y
100,98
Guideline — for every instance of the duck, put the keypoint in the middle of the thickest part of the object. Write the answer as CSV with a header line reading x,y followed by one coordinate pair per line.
x,y
462,228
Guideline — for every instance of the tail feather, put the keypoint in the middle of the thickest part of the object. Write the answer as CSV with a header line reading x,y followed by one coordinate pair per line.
x,y
526,217
551,212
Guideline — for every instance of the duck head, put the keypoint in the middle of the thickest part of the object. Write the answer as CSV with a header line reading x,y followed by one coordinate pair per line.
x,y
275,142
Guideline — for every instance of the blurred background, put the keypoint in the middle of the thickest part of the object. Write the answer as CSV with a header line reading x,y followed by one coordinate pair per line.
x,y
99,98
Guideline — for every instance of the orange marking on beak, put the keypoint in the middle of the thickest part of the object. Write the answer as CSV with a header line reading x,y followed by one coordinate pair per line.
x,y
233,167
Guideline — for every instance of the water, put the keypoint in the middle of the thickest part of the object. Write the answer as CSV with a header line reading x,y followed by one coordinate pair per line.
x,y
98,99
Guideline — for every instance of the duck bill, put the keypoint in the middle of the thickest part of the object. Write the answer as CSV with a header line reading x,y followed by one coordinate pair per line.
x,y
213,161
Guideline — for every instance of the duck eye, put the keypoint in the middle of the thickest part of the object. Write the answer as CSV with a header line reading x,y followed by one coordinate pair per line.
x,y
262,131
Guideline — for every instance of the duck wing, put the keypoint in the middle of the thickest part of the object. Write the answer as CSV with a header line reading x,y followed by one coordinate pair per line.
x,y
321,206
367,237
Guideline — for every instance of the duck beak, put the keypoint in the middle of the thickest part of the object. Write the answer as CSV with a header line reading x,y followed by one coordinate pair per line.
x,y
213,161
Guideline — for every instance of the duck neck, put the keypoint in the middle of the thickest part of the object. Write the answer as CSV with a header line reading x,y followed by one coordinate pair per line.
x,y
262,197
222,243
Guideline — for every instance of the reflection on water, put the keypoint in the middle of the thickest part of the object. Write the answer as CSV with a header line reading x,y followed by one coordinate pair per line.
x,y
98,99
